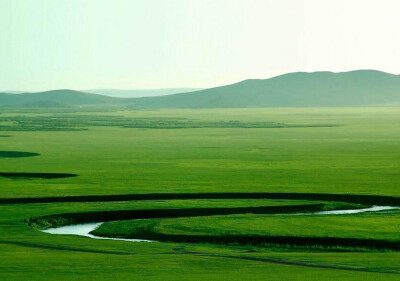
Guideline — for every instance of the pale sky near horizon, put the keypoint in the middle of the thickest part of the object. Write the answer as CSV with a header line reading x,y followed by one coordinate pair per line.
x,y
139,44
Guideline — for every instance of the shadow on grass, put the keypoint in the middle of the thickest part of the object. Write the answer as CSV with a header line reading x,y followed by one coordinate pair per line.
x,y
17,154
323,243
347,198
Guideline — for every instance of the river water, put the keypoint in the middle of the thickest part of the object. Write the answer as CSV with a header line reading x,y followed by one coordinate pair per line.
x,y
84,229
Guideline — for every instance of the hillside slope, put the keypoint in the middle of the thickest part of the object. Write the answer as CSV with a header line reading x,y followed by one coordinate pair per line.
x,y
55,98
355,88
140,93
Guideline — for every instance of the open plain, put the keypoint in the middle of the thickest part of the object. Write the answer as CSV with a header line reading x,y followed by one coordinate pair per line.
x,y
226,194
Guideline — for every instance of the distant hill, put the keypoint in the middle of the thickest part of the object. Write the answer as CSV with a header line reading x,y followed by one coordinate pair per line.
x,y
300,89
56,98
140,93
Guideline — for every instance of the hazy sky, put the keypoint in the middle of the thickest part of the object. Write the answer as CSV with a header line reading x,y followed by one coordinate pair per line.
x,y
129,44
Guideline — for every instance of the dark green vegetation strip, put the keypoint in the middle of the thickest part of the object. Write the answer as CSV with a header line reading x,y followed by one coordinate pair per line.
x,y
17,154
348,198
106,216
36,175
260,240
59,122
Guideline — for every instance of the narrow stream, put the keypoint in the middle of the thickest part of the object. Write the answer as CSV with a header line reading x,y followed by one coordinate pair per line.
x,y
85,228
356,211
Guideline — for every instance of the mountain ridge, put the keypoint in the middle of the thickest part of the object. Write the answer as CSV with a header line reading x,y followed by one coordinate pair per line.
x,y
297,89
363,87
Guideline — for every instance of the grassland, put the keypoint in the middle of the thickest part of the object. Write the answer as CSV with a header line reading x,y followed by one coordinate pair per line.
x,y
358,153
368,231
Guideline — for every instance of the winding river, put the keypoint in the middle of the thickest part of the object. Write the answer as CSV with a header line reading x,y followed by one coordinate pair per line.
x,y
86,228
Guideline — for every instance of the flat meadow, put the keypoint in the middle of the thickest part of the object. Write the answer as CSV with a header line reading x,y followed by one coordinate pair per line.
x,y
80,158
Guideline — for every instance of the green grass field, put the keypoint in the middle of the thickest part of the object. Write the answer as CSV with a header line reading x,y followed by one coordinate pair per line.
x,y
321,151
359,226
